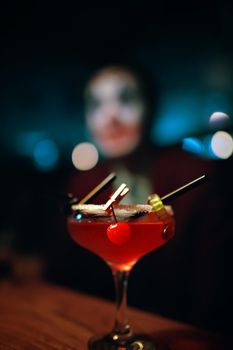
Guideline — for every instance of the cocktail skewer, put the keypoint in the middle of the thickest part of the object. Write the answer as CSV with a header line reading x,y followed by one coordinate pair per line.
x,y
154,200
183,189
117,196
107,181
158,202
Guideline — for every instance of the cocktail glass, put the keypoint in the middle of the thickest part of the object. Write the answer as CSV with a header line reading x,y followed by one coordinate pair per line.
x,y
121,238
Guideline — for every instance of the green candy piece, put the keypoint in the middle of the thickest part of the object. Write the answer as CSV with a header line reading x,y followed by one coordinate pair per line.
x,y
155,201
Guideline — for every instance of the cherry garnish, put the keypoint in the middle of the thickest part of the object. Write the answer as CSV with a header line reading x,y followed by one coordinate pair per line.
x,y
119,233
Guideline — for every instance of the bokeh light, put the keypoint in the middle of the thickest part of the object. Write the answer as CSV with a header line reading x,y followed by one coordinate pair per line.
x,y
85,156
45,154
193,145
222,144
218,117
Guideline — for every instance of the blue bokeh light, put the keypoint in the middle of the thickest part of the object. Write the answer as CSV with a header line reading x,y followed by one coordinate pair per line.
x,y
46,154
193,145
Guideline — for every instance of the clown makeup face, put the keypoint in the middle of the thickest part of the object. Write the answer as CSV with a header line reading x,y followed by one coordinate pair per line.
x,y
114,112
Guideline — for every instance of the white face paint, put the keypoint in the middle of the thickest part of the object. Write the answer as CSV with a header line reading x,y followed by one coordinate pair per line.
x,y
114,112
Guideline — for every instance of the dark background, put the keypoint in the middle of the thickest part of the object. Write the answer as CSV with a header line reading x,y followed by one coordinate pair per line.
x,y
48,49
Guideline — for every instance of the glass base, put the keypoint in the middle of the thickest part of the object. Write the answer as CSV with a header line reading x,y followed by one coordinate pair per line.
x,y
132,343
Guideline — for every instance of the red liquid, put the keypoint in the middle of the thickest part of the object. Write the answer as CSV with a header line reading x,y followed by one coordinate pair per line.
x,y
147,234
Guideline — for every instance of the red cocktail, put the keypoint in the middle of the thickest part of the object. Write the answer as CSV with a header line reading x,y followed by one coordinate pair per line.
x,y
147,232
121,240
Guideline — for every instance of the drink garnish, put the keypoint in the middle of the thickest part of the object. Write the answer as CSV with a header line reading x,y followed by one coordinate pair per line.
x,y
107,181
183,189
117,196
103,209
121,211
155,201
158,202
119,232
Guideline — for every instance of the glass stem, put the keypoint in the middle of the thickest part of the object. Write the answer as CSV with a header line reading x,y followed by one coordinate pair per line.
x,y
122,329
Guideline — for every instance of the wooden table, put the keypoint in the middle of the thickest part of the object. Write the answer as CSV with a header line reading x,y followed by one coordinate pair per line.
x,y
41,316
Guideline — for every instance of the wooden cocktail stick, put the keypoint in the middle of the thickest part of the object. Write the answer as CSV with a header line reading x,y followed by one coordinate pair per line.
x,y
183,189
117,196
107,181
